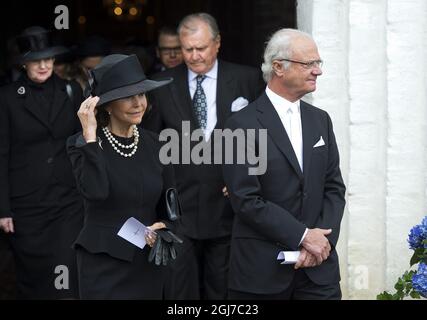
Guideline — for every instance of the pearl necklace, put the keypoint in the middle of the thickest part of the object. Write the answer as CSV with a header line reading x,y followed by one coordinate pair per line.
x,y
116,144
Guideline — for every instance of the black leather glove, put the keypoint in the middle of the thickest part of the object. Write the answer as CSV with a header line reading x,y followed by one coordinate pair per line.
x,y
163,250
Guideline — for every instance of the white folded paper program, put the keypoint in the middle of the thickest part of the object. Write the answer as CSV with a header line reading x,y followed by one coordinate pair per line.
x,y
134,232
288,257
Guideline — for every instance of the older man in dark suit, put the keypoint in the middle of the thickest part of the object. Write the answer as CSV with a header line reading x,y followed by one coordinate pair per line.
x,y
297,204
204,93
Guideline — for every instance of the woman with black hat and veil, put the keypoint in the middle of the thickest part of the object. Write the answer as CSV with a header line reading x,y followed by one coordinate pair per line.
x,y
120,176
40,208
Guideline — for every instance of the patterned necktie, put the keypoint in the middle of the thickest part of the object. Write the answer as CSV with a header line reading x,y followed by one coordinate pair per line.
x,y
199,103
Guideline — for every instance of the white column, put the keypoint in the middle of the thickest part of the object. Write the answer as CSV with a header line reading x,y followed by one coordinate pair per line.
x,y
368,137
406,154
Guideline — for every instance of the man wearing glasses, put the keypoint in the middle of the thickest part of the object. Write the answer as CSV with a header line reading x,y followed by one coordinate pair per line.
x,y
296,206
204,93
168,48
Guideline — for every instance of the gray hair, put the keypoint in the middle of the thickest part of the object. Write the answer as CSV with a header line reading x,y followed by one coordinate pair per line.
x,y
189,23
279,47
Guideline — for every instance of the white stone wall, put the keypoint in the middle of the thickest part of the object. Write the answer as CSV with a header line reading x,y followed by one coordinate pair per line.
x,y
374,87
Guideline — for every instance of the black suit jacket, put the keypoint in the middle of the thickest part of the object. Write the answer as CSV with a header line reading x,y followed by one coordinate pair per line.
x,y
274,209
32,146
206,212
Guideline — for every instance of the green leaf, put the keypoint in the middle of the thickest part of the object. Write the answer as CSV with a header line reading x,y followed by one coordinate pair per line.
x,y
407,276
415,295
408,288
424,256
416,256
385,296
398,296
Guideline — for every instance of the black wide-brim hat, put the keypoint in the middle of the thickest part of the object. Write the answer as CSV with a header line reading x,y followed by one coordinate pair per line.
x,y
34,43
120,76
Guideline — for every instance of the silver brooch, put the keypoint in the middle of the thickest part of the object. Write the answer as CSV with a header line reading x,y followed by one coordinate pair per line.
x,y
100,143
21,90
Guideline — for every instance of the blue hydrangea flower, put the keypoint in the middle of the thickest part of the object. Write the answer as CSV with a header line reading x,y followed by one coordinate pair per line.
x,y
417,235
419,280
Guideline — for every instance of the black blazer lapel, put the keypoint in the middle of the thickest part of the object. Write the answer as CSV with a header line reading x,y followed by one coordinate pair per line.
x,y
270,120
181,95
309,136
225,90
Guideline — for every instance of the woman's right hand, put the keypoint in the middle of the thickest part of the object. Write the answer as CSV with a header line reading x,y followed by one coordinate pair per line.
x,y
86,114
6,224
150,235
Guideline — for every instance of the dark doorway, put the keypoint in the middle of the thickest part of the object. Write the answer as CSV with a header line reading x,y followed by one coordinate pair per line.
x,y
245,24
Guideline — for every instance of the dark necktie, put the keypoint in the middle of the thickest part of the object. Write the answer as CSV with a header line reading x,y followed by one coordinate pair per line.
x,y
199,103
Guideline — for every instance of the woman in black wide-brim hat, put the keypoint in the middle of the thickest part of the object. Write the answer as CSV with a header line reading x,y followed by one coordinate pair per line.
x,y
119,174
40,208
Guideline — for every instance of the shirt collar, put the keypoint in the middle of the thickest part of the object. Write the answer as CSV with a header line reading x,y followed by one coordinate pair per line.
x,y
282,103
212,73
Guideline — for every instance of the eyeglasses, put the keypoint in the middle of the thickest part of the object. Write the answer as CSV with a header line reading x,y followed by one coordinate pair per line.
x,y
170,51
306,65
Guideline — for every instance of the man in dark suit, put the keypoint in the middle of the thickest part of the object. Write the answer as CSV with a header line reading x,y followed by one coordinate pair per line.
x,y
297,203
203,94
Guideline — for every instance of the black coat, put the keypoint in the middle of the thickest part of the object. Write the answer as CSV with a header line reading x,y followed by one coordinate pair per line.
x,y
274,209
37,187
32,146
206,212
115,189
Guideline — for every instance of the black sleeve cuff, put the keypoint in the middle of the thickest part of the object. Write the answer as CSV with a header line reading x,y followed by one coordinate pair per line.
x,y
81,142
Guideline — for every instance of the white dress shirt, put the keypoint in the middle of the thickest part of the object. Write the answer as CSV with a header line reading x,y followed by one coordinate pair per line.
x,y
290,115
209,86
